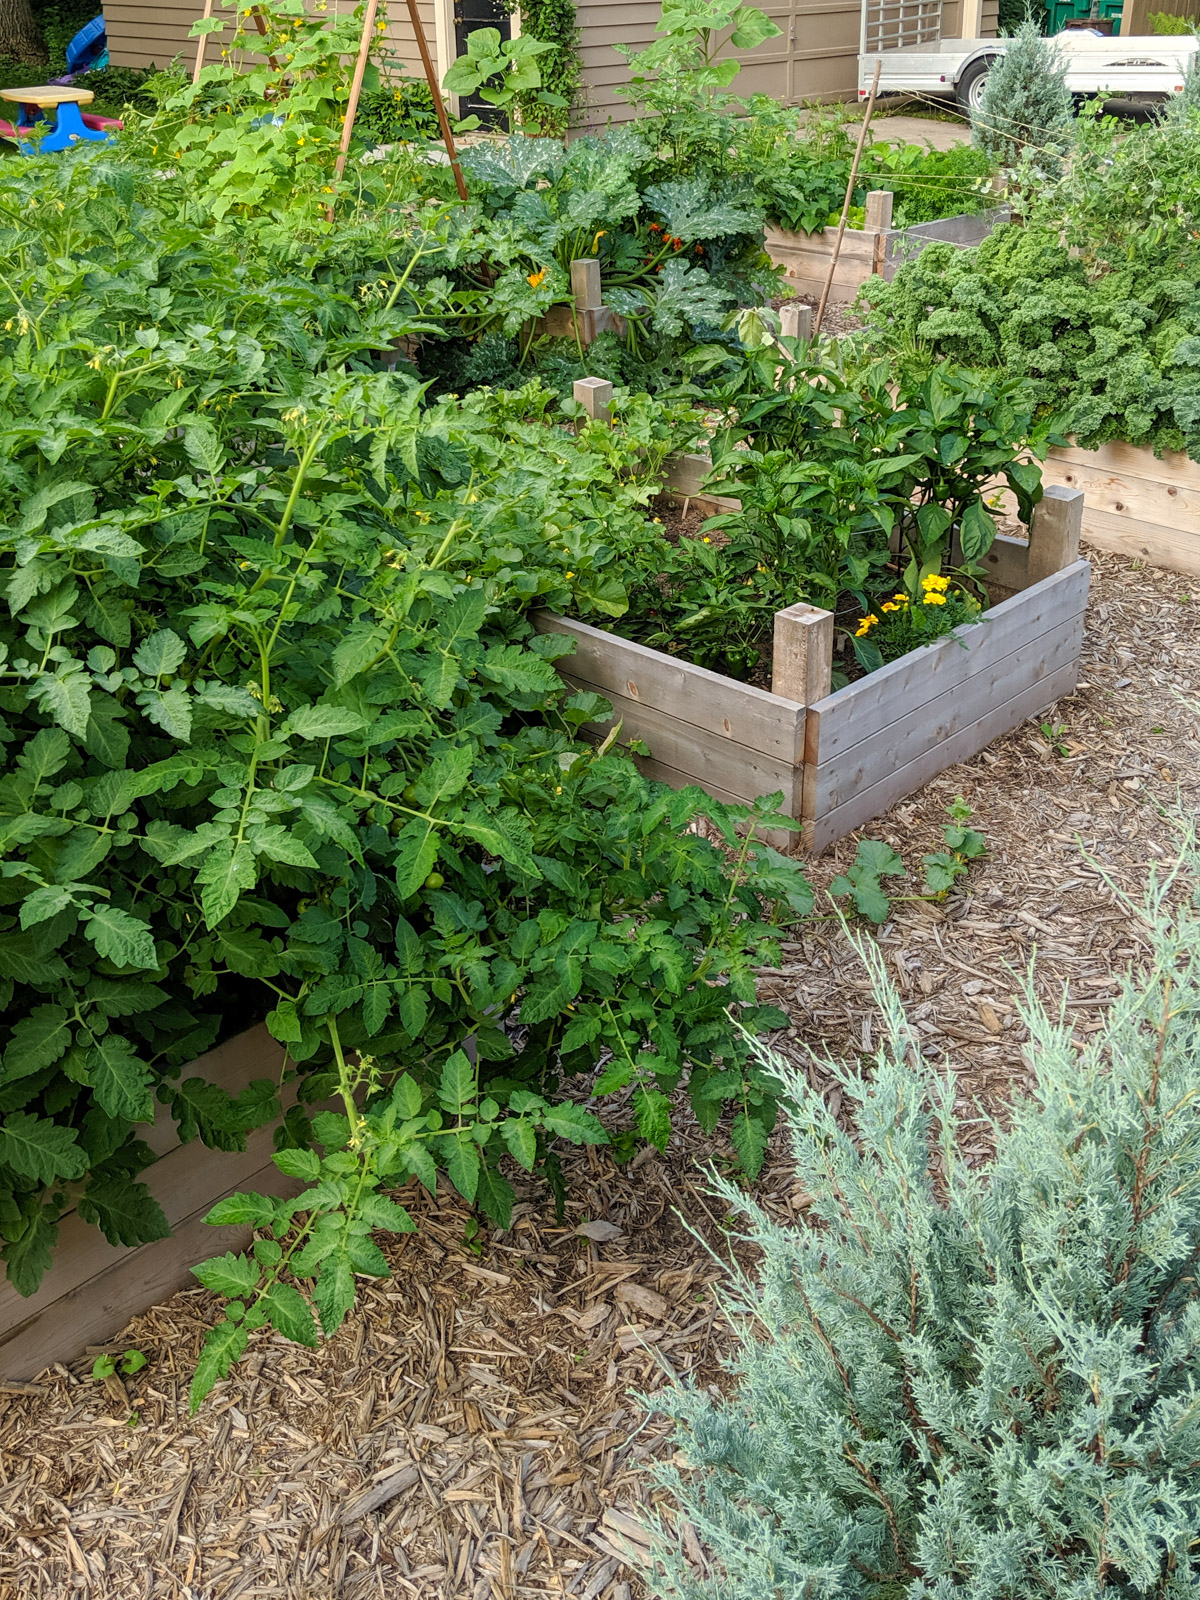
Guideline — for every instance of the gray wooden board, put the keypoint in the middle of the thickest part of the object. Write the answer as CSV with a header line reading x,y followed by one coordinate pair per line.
x,y
186,1179
875,702
934,721
1007,563
737,712
710,760
873,802
129,1282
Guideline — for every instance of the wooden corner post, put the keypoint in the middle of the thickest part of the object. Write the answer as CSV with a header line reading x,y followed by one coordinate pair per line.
x,y
803,658
1054,532
595,396
877,212
796,320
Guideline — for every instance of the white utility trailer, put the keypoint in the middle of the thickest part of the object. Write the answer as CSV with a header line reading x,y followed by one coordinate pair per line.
x,y
1134,68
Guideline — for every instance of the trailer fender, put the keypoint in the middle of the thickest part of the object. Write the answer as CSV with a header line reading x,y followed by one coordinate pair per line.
x,y
972,76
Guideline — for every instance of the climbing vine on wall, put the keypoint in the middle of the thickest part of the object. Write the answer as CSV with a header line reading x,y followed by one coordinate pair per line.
x,y
554,22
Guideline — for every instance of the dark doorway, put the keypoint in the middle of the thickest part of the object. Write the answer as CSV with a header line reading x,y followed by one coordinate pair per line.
x,y
469,15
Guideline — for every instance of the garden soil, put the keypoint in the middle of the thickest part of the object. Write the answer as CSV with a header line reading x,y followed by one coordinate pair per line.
x,y
475,1431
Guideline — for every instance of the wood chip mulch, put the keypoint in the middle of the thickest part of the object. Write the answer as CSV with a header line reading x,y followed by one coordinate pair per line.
x,y
474,1431
1088,791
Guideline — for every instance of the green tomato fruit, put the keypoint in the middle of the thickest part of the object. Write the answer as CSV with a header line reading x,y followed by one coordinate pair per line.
x,y
434,880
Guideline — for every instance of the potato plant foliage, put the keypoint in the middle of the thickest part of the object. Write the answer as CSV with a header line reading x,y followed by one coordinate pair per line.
x,y
280,739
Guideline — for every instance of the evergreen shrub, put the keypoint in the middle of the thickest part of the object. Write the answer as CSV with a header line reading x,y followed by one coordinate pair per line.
x,y
1026,109
954,1381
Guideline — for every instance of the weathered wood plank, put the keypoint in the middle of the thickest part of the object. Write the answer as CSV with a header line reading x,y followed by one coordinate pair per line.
x,y
180,1180
875,702
129,1282
1134,495
1172,468
697,755
802,658
1151,542
686,474
934,722
873,802
738,712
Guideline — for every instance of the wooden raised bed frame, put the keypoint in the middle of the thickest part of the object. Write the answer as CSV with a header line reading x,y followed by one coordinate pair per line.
x,y
1137,503
844,757
875,248
94,1288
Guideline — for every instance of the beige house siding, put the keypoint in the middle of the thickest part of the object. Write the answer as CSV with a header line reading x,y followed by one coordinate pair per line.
x,y
142,35
814,58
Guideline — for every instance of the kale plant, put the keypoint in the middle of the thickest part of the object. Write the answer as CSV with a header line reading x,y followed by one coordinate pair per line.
x,y
963,1381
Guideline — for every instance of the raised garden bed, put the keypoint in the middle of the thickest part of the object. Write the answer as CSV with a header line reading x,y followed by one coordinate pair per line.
x,y
94,1288
877,248
1136,503
843,757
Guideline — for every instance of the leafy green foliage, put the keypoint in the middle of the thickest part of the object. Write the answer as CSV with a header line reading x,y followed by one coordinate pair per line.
x,y
282,740
835,461
674,254
1092,302
801,171
108,1364
555,22
862,882
686,65
499,70
955,1380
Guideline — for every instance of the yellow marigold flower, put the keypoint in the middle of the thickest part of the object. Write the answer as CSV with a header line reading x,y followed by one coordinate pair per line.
x,y
707,540
865,624
935,581
536,279
901,599
889,605
932,598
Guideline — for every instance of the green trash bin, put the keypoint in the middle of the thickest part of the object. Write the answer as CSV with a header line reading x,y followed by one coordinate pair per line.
x,y
1060,12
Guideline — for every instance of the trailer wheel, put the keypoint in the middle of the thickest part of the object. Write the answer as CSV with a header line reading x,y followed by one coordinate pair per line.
x,y
968,91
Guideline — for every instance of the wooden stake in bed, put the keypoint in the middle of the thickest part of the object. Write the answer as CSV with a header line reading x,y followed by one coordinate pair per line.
x,y
438,102
356,83
202,44
837,243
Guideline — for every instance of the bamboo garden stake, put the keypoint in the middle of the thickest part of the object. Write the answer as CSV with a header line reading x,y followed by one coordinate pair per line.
x,y
837,243
439,103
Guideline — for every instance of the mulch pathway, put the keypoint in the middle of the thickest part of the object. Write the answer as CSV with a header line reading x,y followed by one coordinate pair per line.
x,y
475,1431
